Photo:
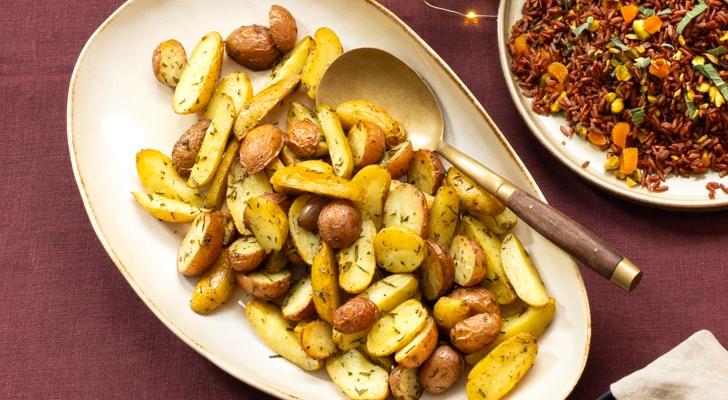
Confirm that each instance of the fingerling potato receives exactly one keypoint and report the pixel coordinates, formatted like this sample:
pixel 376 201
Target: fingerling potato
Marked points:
pixel 405 383
pixel 184 153
pixel 474 197
pixel 316 340
pixel 391 291
pixel 245 254
pixel 356 315
pixel 469 259
pixel 326 49
pixel 426 171
pixel 213 146
pixel 339 150
pixel 236 85
pixel 158 176
pixel 166 209
pixel 168 61
pixel 496 374
pixel 268 223
pixel 292 62
pixel 215 287
pixel 261 104
pixel 275 262
pixel 263 285
pixel 259 147
pixel 448 312
pixel 396 328
pixel 303 138
pixel 308 243
pixel 217 191
pixel 414 353
pixel 298 304
pixel 376 181
pixel 366 140
pixel 354 111
pixel 437 271
pixel 399 249
pixel 357 262
pixel 297 112
pixel 325 283
pixel 201 246
pixel 252 46
pixel 241 188
pixel 479 299
pixel 499 223
pixel 200 76
pixel 357 377
pixel 522 273
pixel 406 205
pixel 397 159
pixel 308 180
pixel 474 333
pixel 442 369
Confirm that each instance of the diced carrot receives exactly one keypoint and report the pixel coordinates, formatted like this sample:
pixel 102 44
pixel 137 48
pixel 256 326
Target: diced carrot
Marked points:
pixel 619 134
pixel 628 160
pixel 597 138
pixel 652 24
pixel 629 12
pixel 558 71
pixel 660 68
pixel 521 45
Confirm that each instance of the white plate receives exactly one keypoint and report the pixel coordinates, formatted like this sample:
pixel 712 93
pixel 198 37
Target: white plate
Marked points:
pixel 116 108
pixel 687 194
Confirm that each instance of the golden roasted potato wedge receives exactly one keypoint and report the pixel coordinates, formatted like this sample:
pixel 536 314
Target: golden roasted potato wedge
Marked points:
pixel 391 291
pixel 443 216
pixel 426 171
pixel 283 201
pixel 495 277
pixel 309 180
pixel 430 199
pixel 278 333
pixel 159 177
pixel 521 272
pixel 533 320
pixel 469 259
pixel 326 49
pixel 496 374
pixel 449 312
pixel 354 111
pixel 241 188
pixel 357 377
pixel 213 146
pixel 339 150
pixel 292 62
pixel 406 205
pixel 376 181
pixel 288 157
pixel 308 243
pixel 357 262
pixel 268 223
pixel 349 341
pixel 274 166
pixel 298 304
pixel 474 197
pixel 397 159
pixel 201 246
pixel 260 147
pixel 217 191
pixel 275 262
pixel 399 249
pixel 316 340
pixel 245 254
pixel 396 328
pixel 437 271
pixel 168 61
pixel 200 76
pixel 166 209
pixel 215 287
pixel 297 112
pixel 228 224
pixel 499 223
pixel 254 111
pixel 317 165
pixel 366 140
pixel 236 85
pixel 386 362
pixel 414 353
pixel 325 283
pixel 263 285
pixel 405 383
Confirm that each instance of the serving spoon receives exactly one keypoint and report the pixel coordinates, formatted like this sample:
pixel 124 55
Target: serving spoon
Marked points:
pixel 379 77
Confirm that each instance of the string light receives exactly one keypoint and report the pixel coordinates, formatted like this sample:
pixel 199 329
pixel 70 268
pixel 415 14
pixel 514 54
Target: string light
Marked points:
pixel 470 14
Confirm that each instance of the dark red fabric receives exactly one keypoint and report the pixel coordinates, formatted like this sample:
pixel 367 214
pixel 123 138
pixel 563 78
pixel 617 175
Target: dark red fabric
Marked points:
pixel 71 326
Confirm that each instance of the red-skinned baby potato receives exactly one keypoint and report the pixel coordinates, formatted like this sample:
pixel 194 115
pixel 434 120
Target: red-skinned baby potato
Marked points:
pixel 282 28
pixel 184 153
pixel 355 315
pixel 339 224
pixel 253 47
pixel 259 147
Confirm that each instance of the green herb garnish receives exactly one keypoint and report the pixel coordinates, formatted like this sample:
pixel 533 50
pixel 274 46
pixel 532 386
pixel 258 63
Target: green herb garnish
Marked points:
pixel 699 9
pixel 647 12
pixel 711 73
pixel 666 11
pixel 638 116
pixel 692 112
pixel 619 44
pixel 644 63
pixel 668 46
pixel 581 28
pixel 718 51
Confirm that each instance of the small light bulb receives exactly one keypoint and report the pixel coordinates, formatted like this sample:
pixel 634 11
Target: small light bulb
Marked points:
pixel 470 15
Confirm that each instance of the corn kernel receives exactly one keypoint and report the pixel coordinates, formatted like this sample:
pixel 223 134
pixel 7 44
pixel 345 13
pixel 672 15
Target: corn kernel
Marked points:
pixel 691 96
pixel 617 106
pixel 681 39
pixel 652 99
pixel 612 163
pixel 698 60
pixel 703 87
pixel 677 56
pixel 610 97
pixel 594 26
pixel 705 158
pixel 630 182
pixel 702 139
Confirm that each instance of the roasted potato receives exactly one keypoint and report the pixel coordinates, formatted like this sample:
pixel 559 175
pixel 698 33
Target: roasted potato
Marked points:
pixel 303 138
pixel 308 218
pixel 307 242
pixel 282 28
pixel 406 205
pixel 292 62
pixel 397 159
pixel 159 177
pixel 426 171
pixel 326 50
pixel 357 263
pixel 357 377
pixel 168 61
pixel 339 150
pixel 214 288
pixel 241 188
pixel 353 341
pixel 405 383
pixel 217 190
pixel 201 246
pixel 437 271
pixel 278 333
pixel 275 262
pixel 297 112
pixel 236 85
pixel 356 315
pixel 496 374
pixel 245 254
pixel 166 209
pixel 399 249
pixel 283 201
pixel 325 283
pixel 200 76
pixel 469 259
pixel 391 291
pixel 308 180
pixel 474 333
pixel 298 304
pixel 228 224
pixel 428 198
pixel 499 223
pixel 376 181
pixel 259 147
pixel 448 312
pixel 188 146
pixel 414 353
pixel 354 111
pixel 263 285
pixel 474 197
pixel 213 146
pixel 366 140
pixel 261 104
pixel 268 222
pixel 252 47
pixel 479 299
pixel 316 340
pixel 442 369
pixel 339 224
pixel 521 272
pixel 396 328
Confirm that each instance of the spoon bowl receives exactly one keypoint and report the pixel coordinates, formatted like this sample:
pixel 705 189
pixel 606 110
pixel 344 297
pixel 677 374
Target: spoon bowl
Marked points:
pixel 381 78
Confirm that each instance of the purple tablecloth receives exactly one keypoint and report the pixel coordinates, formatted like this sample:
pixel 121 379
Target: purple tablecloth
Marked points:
pixel 71 326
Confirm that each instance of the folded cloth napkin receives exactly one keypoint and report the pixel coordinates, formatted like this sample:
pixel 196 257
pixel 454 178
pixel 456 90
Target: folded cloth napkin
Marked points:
pixel 697 369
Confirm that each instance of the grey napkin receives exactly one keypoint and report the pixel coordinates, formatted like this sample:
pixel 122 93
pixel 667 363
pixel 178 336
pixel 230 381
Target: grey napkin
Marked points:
pixel 697 369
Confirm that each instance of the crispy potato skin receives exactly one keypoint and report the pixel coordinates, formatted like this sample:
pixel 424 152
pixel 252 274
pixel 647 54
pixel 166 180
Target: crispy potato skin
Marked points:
pixel 259 147
pixel 479 299
pixel 476 332
pixel 356 315
pixel 444 367
pixel 404 383
pixel 339 223
pixel 308 219
pixel 264 289
pixel 282 28
pixel 253 47
pixel 185 150
pixel 303 137
pixel 426 171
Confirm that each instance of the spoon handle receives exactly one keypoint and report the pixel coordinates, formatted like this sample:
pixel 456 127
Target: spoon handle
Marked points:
pixel 552 224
